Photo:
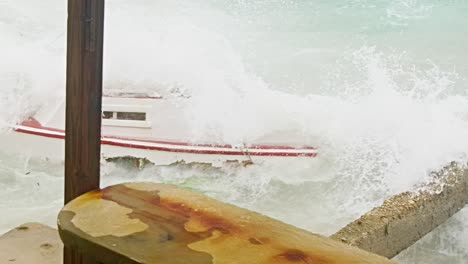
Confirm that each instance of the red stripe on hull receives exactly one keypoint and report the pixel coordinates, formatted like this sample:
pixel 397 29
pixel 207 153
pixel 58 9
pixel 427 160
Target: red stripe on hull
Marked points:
pixel 107 140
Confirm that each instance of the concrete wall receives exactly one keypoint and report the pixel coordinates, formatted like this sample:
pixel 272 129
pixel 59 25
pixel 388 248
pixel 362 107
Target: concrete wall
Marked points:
pixel 405 218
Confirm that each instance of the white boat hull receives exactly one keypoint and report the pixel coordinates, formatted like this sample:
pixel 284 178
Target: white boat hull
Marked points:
pixel 136 127
pixel 52 146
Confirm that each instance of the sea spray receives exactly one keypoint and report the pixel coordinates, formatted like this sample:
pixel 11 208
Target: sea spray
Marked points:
pixel 379 87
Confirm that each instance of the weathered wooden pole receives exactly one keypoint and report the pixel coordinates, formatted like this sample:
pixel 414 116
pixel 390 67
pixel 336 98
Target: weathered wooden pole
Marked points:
pixel 83 102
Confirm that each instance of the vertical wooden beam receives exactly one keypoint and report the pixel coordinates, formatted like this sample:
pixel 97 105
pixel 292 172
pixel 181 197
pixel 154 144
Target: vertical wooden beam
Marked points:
pixel 83 102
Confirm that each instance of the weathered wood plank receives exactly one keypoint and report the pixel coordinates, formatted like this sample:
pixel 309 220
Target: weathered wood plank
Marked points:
pixel 83 102
pixel 155 223
pixel 31 243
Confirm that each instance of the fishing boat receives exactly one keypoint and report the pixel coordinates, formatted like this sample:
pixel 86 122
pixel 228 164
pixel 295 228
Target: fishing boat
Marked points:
pixel 143 125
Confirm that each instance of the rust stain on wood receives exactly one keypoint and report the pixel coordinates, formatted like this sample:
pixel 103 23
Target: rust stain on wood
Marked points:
pixel 297 256
pixel 183 226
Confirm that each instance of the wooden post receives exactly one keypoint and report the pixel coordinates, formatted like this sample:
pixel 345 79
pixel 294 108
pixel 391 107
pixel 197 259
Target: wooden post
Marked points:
pixel 83 102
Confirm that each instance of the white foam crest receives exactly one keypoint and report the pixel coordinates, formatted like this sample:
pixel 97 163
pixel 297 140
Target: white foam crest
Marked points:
pixel 32 63
pixel 390 138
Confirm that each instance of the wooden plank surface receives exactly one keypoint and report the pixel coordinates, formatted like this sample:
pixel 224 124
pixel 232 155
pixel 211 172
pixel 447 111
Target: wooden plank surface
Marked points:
pixel 155 223
pixel 31 243
pixel 83 102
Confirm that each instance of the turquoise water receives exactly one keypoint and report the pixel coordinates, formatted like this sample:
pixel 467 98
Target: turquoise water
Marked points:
pixel 378 86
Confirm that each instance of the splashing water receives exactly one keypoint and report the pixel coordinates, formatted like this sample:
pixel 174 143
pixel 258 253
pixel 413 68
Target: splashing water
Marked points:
pixel 379 87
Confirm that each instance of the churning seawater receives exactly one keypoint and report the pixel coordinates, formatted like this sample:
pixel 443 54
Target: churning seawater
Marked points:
pixel 379 87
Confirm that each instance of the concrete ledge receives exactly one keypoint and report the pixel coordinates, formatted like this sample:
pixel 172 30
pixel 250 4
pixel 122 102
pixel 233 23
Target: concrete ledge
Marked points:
pixel 31 243
pixel 405 218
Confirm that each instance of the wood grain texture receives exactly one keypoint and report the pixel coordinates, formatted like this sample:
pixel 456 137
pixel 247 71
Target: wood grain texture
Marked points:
pixel 155 223
pixel 83 101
